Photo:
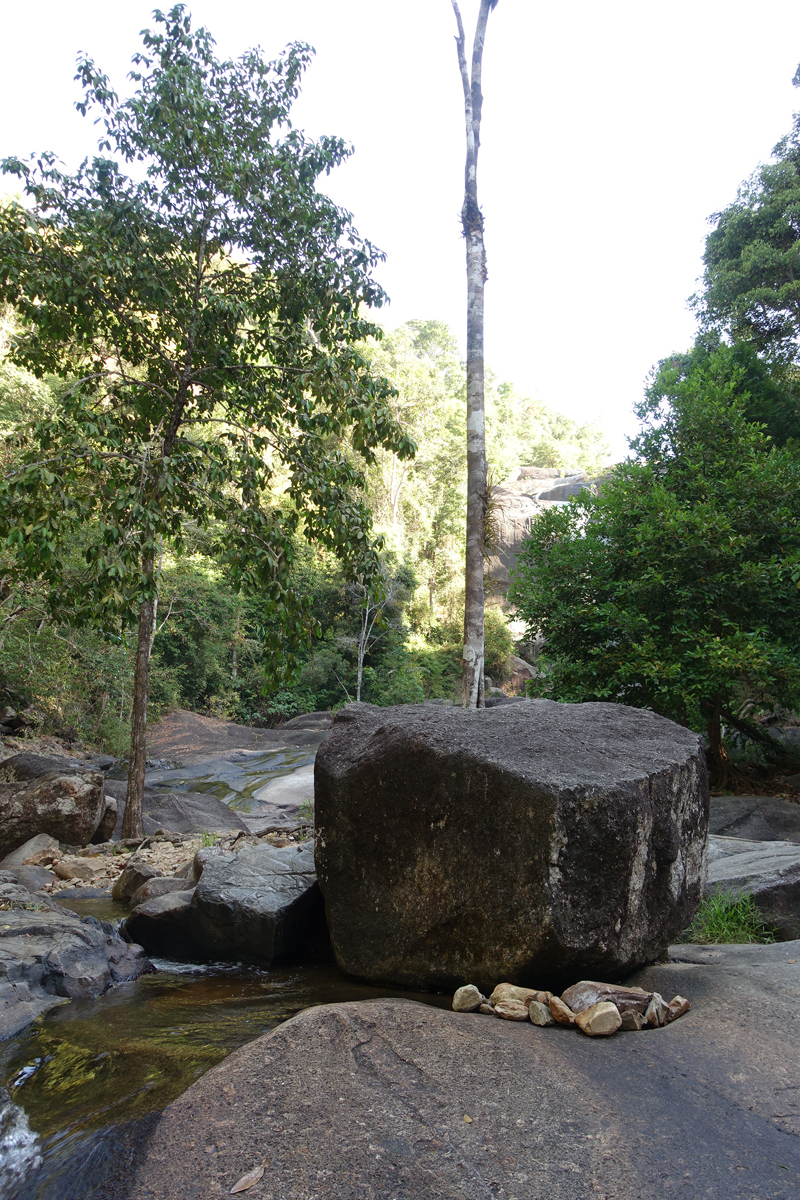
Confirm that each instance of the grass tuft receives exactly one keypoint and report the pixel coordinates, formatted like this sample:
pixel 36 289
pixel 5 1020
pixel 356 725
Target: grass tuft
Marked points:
pixel 729 917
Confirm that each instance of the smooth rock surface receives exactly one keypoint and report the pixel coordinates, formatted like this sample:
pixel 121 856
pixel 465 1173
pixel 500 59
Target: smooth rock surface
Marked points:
pixel 525 842
pixel 40 843
pixel 67 805
pixel 511 1010
pixel 467 999
pixel 583 995
pixel 259 903
pixel 367 1101
pixel 177 812
pixel 48 954
pixel 131 879
pixel 540 1014
pixel 163 925
pixel 769 871
pixel 756 818
pixel 161 885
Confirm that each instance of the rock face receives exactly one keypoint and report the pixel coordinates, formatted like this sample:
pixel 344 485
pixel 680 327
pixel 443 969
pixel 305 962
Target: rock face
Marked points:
pixel 755 818
pixel 259 904
pixel 769 871
pixel 528 842
pixel 48 953
pixel 177 812
pixel 65 803
pixel 519 500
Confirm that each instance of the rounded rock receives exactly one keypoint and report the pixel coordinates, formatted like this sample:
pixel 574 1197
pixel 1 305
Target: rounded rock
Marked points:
pixel 601 1020
pixel 467 999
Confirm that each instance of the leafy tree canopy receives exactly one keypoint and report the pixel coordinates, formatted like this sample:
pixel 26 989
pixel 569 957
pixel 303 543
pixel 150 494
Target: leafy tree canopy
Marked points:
pixel 677 587
pixel 205 309
pixel 752 257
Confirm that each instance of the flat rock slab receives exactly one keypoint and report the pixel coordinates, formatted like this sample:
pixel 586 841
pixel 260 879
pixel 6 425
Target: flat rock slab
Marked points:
pixel 368 1100
pixel 289 791
pixel 768 871
pixel 188 737
pixel 755 818
pixel 177 812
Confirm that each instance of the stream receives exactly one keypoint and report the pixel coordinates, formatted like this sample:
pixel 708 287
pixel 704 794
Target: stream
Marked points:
pixel 83 1085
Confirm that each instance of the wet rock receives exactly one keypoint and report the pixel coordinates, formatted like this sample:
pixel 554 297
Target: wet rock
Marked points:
pixel 540 1013
pixel 600 1020
pixel 632 1021
pixel 163 926
pixel 133 876
pixel 65 805
pixel 511 1010
pixel 48 954
pixel 561 1012
pixel 583 995
pixel 510 991
pixel 467 999
pixel 524 842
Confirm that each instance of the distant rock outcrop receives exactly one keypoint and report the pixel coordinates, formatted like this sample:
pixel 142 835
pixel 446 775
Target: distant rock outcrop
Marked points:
pixel 525 495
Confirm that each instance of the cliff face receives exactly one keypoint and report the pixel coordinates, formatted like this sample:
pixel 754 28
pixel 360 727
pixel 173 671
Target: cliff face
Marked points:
pixel 523 496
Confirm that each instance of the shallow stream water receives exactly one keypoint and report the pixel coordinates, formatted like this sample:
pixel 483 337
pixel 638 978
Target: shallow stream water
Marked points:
pixel 85 1083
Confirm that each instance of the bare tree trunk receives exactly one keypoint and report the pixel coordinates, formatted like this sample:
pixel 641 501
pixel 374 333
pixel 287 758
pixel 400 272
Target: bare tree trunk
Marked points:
pixel 132 826
pixel 472 226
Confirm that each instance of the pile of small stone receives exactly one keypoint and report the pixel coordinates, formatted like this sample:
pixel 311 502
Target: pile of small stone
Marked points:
pixel 597 1009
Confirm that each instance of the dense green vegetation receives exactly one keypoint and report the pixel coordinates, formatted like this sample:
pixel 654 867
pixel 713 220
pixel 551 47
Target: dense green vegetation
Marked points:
pixel 205 436
pixel 677 588
pixel 729 917
pixel 208 652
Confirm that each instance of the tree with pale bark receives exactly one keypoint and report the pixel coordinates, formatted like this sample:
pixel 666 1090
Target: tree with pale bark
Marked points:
pixel 477 491
pixel 205 311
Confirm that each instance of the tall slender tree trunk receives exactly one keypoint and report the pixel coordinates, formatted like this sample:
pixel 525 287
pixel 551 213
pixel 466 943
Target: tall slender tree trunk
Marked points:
pixel 472 226
pixel 132 823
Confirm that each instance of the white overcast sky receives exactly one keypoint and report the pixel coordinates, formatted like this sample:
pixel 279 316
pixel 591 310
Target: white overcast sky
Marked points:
pixel 611 132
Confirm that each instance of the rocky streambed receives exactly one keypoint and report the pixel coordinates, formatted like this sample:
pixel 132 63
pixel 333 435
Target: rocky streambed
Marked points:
pixel 225 882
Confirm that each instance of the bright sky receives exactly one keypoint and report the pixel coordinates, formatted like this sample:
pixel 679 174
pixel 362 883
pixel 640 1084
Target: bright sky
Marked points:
pixel 611 131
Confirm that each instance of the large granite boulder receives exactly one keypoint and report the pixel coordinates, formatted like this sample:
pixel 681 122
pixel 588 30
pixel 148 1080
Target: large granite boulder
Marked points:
pixel 533 842
pixel 42 795
pixel 48 954
pixel 768 871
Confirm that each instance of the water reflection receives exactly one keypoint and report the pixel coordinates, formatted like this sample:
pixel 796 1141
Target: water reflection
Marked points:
pixel 91 1070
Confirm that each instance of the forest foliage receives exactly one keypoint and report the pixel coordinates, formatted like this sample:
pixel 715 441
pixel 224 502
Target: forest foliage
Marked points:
pixel 677 588
pixel 208 652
